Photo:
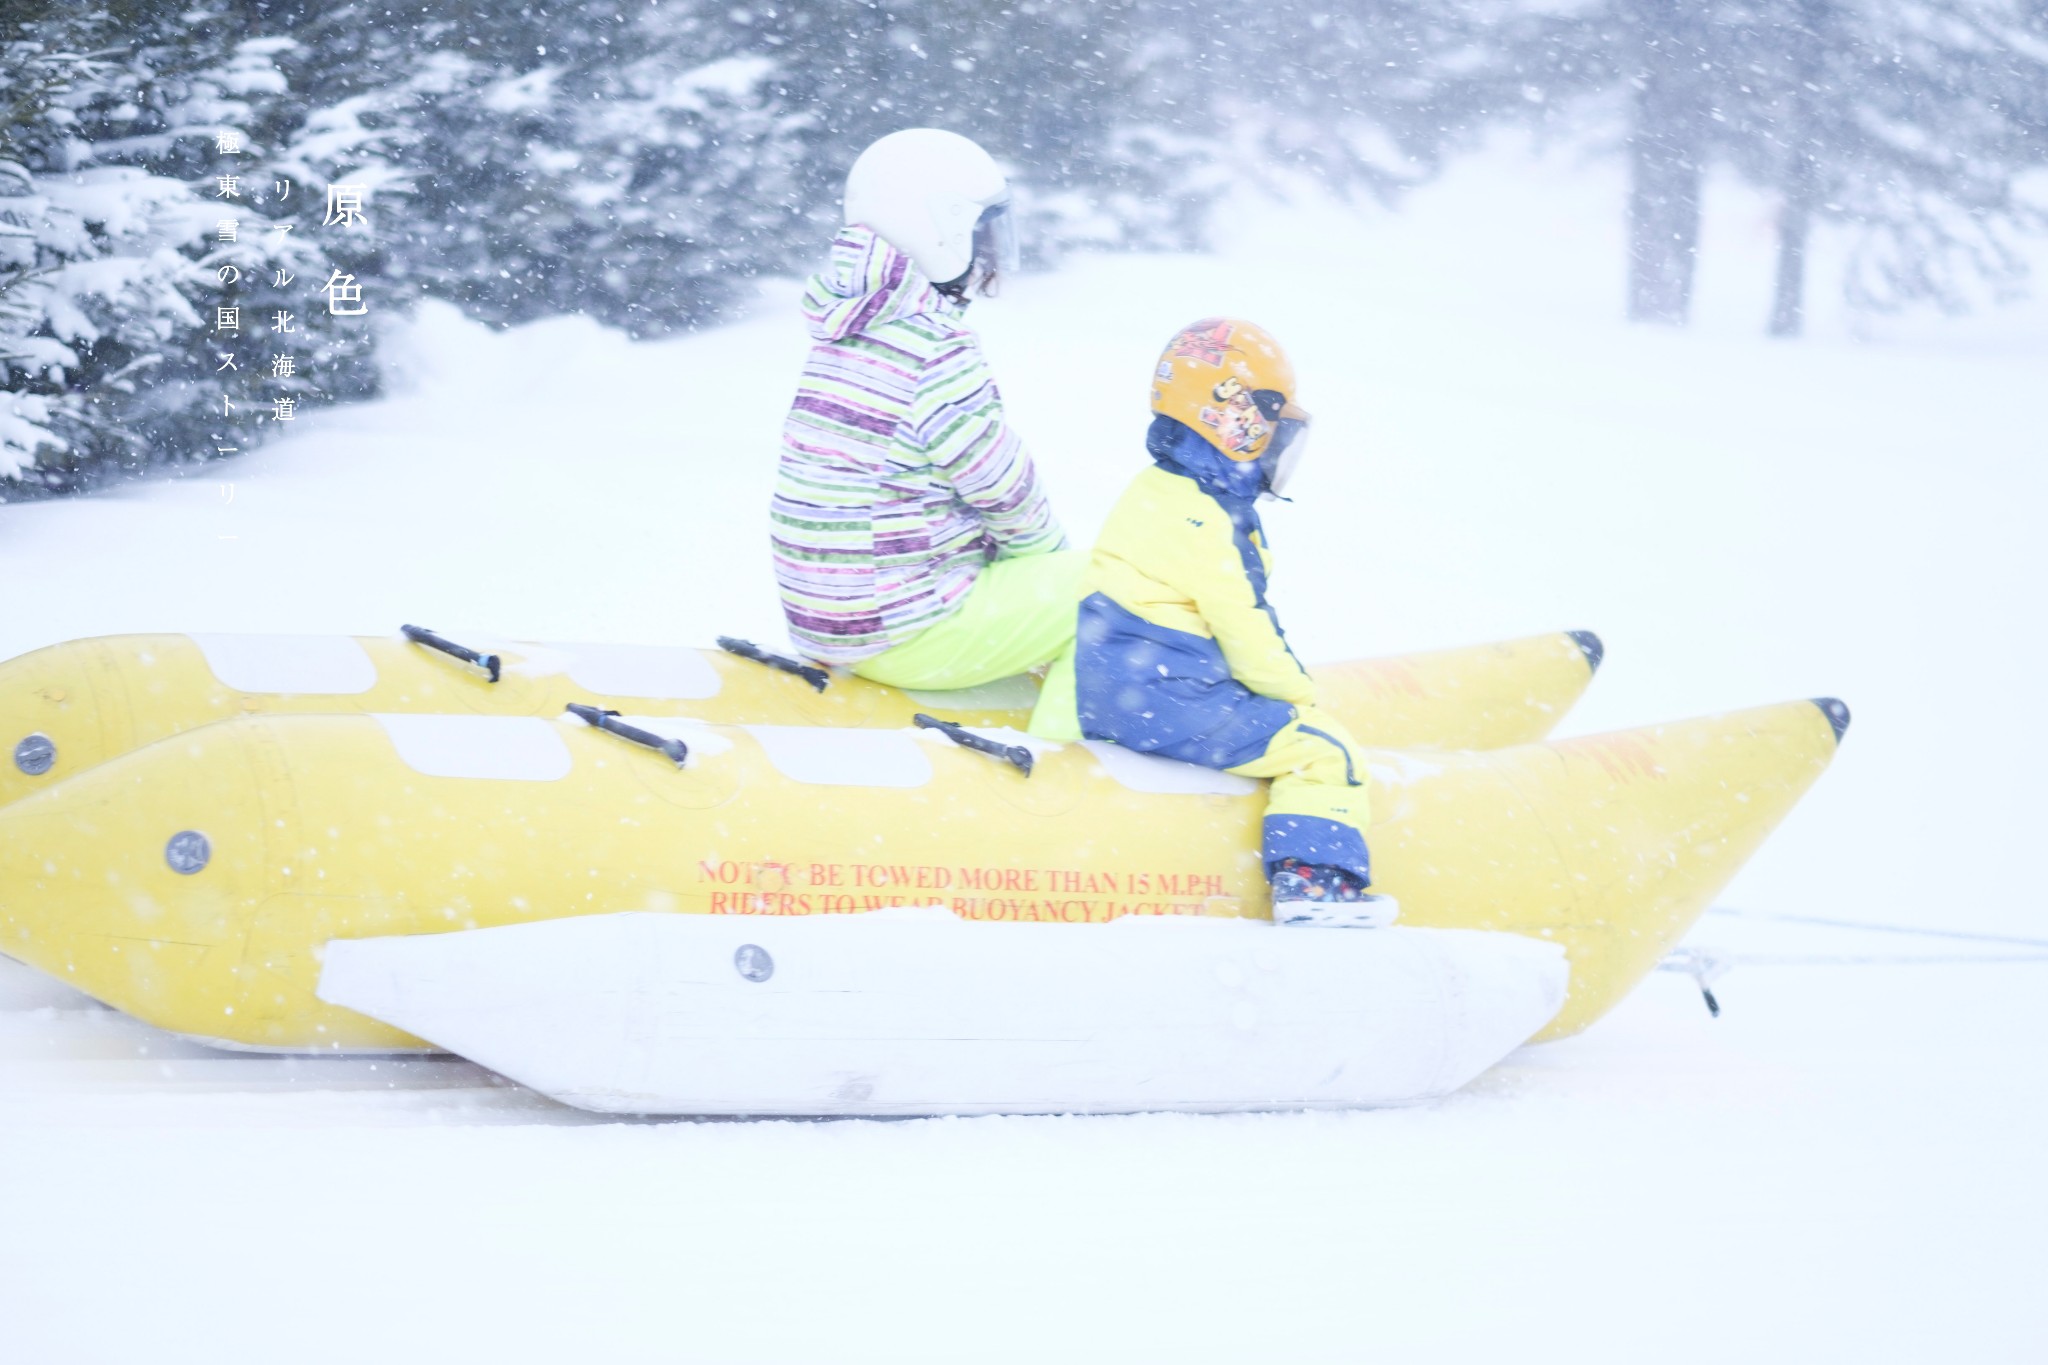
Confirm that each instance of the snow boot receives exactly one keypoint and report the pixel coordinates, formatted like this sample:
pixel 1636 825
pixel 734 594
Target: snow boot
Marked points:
pixel 1327 897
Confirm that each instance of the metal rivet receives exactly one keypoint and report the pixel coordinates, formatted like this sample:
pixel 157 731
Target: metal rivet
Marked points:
pixel 753 962
pixel 187 852
pixel 35 755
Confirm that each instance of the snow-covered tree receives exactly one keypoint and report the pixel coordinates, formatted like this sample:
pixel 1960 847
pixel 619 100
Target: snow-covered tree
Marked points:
pixel 89 296
pixel 1370 96
pixel 1913 123
pixel 145 276
pixel 1059 92
pixel 642 162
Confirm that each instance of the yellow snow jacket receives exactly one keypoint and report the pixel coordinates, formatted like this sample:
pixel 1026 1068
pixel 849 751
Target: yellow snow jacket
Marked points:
pixel 1177 652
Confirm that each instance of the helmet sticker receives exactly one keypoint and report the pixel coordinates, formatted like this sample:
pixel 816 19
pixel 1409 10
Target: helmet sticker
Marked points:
pixel 1239 424
pixel 1207 341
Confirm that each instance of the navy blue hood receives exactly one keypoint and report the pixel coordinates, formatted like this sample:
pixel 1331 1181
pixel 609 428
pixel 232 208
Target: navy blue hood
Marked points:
pixel 1181 449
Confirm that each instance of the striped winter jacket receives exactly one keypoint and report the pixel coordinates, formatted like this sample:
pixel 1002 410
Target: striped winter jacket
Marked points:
pixel 899 476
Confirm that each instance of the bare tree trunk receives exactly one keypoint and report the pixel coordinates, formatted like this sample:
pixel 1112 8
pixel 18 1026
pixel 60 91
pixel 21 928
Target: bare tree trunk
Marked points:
pixel 1802 177
pixel 1795 220
pixel 1666 150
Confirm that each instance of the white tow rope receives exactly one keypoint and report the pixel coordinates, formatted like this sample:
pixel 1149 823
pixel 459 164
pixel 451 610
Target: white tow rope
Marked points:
pixel 1708 965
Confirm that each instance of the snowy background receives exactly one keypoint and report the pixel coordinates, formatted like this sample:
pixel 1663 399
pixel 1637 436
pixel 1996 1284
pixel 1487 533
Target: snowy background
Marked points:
pixel 1844 1166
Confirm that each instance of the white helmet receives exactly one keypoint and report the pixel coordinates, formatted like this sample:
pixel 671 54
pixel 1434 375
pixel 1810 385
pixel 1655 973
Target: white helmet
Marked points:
pixel 939 199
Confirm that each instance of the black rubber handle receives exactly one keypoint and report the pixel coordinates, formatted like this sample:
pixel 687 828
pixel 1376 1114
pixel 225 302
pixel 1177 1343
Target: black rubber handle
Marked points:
pixel 420 635
pixel 747 649
pixel 604 720
pixel 1016 755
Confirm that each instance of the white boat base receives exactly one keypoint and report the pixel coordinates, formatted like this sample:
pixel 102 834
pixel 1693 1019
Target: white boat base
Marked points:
pixel 913 1012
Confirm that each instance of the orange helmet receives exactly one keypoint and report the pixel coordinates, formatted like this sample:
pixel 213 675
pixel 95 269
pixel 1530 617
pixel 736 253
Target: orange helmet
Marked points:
pixel 1231 382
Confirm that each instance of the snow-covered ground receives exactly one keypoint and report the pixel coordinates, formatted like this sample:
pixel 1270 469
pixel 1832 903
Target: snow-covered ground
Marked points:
pixel 1844 1166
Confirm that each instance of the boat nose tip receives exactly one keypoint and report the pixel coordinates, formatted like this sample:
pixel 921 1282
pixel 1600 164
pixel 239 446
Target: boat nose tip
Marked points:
pixel 1589 645
pixel 1837 712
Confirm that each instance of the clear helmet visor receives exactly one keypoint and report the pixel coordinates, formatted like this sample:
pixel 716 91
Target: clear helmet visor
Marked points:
pixel 996 255
pixel 1282 455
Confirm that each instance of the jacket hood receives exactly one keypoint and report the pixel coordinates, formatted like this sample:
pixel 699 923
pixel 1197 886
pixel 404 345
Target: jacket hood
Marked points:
pixel 1179 448
pixel 868 282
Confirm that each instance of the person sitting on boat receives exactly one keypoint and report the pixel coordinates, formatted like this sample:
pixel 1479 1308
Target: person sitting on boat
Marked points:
pixel 913 541
pixel 1179 653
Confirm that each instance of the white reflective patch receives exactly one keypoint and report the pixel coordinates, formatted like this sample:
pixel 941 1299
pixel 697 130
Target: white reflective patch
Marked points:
pixel 508 748
pixel 1004 694
pixel 665 673
pixel 522 657
pixel 845 758
pixel 329 664
pixel 1166 776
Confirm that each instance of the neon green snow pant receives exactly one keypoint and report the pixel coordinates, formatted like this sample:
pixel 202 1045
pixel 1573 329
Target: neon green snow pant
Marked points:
pixel 1019 614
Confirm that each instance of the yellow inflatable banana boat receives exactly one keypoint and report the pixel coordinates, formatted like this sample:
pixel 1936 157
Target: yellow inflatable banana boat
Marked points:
pixel 68 707
pixel 194 882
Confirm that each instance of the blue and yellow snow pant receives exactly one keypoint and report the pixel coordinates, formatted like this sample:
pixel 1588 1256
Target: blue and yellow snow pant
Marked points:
pixel 1018 615
pixel 1317 809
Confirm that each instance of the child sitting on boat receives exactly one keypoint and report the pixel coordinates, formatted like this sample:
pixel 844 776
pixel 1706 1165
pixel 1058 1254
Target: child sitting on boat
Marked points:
pixel 913 542
pixel 1178 653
